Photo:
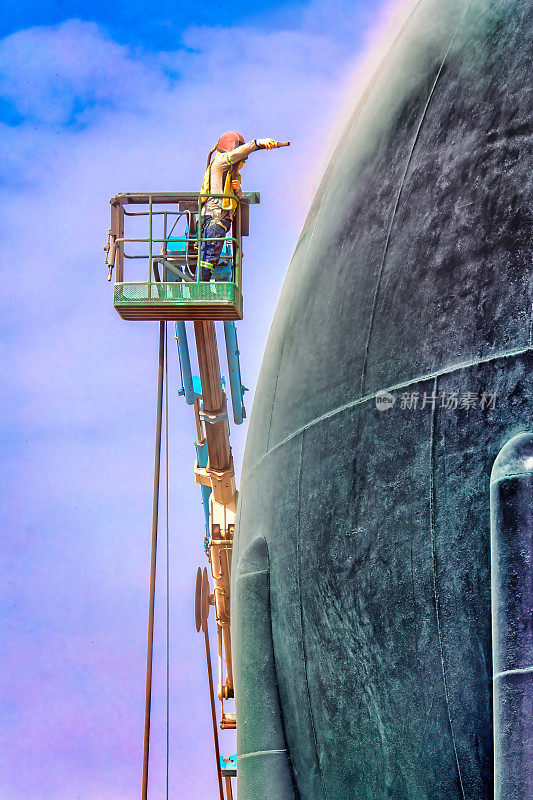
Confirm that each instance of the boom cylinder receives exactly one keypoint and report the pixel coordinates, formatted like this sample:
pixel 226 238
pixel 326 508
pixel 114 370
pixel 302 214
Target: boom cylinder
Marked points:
pixel 234 371
pixel 185 362
pixel 511 498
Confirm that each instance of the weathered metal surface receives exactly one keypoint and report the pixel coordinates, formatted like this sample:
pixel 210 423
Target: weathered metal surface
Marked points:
pixel 412 275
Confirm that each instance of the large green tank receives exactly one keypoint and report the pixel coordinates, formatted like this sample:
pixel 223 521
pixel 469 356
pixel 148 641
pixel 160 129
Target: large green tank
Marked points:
pixel 361 614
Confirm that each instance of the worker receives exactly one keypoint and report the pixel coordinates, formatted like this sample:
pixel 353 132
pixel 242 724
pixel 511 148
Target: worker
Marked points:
pixel 222 176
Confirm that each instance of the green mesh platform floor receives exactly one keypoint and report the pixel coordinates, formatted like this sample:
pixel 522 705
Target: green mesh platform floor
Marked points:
pixel 174 293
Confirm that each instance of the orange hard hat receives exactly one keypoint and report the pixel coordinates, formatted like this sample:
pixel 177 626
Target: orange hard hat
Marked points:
pixel 229 141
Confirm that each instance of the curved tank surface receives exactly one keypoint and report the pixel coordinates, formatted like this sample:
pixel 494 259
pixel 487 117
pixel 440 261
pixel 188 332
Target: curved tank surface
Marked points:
pixel 361 615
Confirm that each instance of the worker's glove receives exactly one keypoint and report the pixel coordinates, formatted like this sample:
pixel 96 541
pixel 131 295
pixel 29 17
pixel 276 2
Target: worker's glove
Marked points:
pixel 236 186
pixel 267 144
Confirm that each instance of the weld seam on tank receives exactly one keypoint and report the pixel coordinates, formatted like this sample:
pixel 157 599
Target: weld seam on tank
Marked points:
pixel 261 753
pixel 301 617
pixel 432 504
pixel 520 671
pixel 519 351
pixel 509 475
pixel 325 184
pixel 511 498
pixel 250 574
pixel 399 195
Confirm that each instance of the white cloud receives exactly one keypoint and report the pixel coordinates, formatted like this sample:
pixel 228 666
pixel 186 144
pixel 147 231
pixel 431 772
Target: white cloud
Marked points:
pixel 142 129
pixel 58 74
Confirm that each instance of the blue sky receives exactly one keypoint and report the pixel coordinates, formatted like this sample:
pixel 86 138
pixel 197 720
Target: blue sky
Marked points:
pixel 160 25
pixel 142 22
pixel 97 99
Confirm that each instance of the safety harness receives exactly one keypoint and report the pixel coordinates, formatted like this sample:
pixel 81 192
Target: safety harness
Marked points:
pixel 232 174
pixel 228 204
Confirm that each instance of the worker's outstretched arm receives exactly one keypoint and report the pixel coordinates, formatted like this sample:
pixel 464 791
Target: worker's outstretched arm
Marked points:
pixel 234 156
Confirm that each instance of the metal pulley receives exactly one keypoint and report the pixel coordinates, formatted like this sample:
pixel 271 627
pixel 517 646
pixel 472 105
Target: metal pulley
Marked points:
pixel 202 600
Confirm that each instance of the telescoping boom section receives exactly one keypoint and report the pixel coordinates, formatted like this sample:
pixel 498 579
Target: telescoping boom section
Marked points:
pixel 153 246
pixel 158 238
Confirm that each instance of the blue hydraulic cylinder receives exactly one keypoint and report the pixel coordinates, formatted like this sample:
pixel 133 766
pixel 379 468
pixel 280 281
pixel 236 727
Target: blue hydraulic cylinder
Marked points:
pixel 511 500
pixel 185 363
pixel 234 369
pixel 201 460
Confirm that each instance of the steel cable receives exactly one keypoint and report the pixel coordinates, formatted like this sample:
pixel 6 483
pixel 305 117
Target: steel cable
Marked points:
pixel 153 558
pixel 168 573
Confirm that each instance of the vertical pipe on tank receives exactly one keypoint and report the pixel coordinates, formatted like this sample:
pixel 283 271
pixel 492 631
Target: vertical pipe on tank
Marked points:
pixel 511 501
pixel 264 769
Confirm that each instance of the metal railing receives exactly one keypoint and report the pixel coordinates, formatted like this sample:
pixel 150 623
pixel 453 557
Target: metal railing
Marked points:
pixel 189 254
